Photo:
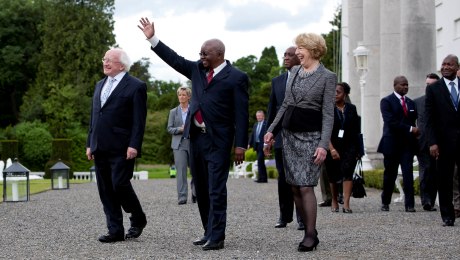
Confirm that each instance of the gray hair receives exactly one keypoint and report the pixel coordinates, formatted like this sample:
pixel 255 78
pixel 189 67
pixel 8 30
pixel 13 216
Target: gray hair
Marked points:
pixel 124 58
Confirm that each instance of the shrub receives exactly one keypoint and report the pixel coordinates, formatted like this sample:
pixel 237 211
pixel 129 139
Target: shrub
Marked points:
pixel 34 144
pixel 272 172
pixel 78 136
pixel 250 155
pixel 9 149
pixel 374 179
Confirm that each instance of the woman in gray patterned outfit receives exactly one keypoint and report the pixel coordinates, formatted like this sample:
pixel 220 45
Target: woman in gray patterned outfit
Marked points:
pixel 305 120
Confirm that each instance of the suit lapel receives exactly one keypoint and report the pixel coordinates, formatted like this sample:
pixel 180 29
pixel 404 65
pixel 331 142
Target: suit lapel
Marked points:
pixel 398 104
pixel 179 115
pixel 221 75
pixel 446 94
pixel 312 82
pixel 123 83
pixel 97 93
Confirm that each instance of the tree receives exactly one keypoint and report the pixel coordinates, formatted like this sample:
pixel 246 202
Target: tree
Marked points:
pixel 332 60
pixel 20 46
pixel 75 35
pixel 140 70
pixel 267 68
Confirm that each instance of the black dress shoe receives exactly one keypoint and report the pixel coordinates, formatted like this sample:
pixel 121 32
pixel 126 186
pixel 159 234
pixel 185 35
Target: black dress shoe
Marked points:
pixel 385 207
pixel 326 203
pixel 428 207
pixel 193 199
pixel 135 232
pixel 200 242
pixel 281 224
pixel 213 245
pixel 109 238
pixel 261 181
pixel 409 209
pixel 182 202
pixel 448 223
pixel 301 226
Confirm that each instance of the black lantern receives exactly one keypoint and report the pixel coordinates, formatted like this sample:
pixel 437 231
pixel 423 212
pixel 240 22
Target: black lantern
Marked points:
pixel 60 176
pixel 16 183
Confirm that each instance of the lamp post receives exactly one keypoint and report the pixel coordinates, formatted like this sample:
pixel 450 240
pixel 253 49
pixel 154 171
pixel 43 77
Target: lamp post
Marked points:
pixel 361 54
pixel 16 184
pixel 60 176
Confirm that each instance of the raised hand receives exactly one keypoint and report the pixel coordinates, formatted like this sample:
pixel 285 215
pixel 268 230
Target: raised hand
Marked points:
pixel 147 28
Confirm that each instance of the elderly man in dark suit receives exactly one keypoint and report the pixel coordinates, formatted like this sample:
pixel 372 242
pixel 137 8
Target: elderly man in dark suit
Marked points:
pixel 427 164
pixel 218 117
pixel 114 141
pixel 257 142
pixel 285 197
pixel 398 143
pixel 443 132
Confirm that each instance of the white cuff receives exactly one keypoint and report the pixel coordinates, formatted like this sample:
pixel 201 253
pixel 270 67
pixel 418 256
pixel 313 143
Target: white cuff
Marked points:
pixel 154 41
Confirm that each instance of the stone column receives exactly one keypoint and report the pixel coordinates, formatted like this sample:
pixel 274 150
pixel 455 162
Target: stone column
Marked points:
pixel 390 42
pixel 418 43
pixel 355 34
pixel 345 43
pixel 371 39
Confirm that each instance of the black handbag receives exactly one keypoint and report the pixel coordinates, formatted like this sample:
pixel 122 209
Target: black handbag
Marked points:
pixel 358 190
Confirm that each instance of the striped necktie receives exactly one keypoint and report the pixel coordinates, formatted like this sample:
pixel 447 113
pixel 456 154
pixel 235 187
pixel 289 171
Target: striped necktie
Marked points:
pixel 107 90
pixel 454 94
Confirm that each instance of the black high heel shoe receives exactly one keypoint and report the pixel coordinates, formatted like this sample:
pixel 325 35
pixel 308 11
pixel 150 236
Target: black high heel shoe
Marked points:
pixel 303 248
pixel 347 210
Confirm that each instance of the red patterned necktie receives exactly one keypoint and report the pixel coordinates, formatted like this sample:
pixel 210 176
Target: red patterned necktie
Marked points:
pixel 403 103
pixel 198 116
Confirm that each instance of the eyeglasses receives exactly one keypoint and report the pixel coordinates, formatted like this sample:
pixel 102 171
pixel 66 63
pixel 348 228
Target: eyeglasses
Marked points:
pixel 204 53
pixel 108 60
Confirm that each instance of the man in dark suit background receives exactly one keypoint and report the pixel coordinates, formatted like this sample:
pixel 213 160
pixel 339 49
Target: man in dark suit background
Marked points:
pixel 443 132
pixel 285 197
pixel 218 117
pixel 427 164
pixel 116 131
pixel 398 143
pixel 257 142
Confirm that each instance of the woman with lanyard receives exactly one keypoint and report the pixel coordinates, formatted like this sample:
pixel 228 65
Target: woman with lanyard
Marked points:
pixel 343 147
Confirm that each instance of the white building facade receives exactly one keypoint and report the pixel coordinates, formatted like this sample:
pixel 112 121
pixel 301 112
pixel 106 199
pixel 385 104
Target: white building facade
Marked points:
pixel 404 37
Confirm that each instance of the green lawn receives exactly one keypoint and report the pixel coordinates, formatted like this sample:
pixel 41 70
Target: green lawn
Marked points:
pixel 37 186
pixel 158 171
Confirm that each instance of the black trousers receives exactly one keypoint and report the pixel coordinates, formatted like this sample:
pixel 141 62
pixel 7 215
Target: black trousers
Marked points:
pixel 445 167
pixel 210 166
pixel 391 162
pixel 285 197
pixel 113 174
pixel 427 177
pixel 262 169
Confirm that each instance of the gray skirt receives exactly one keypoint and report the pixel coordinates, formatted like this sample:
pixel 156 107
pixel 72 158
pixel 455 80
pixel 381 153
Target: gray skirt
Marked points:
pixel 298 151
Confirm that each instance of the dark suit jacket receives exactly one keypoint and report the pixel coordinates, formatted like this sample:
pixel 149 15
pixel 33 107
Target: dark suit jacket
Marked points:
pixel 443 121
pixel 263 130
pixel 396 127
pixel 349 143
pixel 223 103
pixel 421 122
pixel 276 100
pixel 121 122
